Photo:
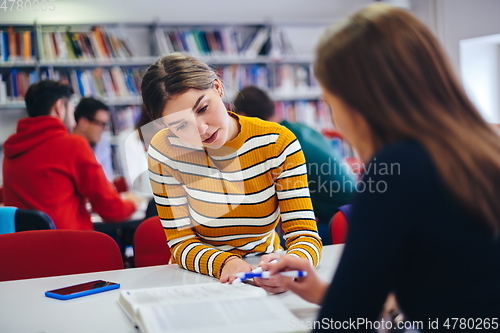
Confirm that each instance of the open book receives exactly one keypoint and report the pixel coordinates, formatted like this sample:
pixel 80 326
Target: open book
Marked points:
pixel 208 307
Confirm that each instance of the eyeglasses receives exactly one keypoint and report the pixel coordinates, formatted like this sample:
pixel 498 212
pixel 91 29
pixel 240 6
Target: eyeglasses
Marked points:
pixel 100 123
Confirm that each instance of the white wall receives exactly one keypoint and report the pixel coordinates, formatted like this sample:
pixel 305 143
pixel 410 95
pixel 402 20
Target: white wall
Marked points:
pixel 479 67
pixel 174 11
pixel 461 26
pixel 455 20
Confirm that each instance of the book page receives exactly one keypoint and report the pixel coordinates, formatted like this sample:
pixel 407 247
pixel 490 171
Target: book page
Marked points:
pixel 252 314
pixel 131 300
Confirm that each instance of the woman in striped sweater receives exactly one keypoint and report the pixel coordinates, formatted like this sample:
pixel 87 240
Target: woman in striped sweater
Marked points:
pixel 222 182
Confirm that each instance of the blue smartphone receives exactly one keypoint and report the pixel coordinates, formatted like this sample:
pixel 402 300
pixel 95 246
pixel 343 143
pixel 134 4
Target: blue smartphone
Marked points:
pixel 83 289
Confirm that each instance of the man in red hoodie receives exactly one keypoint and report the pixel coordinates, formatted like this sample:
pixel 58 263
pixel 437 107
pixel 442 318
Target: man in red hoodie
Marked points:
pixel 48 169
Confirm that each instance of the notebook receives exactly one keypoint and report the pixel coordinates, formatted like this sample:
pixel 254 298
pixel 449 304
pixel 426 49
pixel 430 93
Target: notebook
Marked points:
pixel 208 308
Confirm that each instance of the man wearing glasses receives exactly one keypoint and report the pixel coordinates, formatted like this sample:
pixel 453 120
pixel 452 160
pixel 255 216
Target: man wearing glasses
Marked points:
pixel 92 120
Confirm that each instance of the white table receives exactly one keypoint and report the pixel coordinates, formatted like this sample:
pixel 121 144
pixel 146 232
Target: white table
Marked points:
pixel 25 309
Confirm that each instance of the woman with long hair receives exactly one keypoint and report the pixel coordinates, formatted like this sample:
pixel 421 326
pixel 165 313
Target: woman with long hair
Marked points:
pixel 426 224
pixel 222 182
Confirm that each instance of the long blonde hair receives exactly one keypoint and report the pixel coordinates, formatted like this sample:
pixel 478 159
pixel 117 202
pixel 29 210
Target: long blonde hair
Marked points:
pixel 389 67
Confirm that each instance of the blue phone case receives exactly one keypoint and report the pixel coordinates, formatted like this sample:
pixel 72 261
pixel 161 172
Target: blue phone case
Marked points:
pixel 83 293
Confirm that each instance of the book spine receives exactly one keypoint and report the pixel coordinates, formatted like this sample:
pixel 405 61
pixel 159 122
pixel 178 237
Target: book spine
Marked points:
pixel 13 78
pixel 220 44
pixel 119 80
pixel 115 45
pixel 90 47
pixel 97 32
pixel 169 42
pixel 57 52
pixel 82 43
pixel 19 46
pixel 258 42
pixel 48 49
pixel 27 45
pixel 79 82
pixel 108 84
pixel 74 82
pixel 212 43
pixel 173 36
pixel 61 46
pixel 33 78
pixel 12 43
pixel 2 49
pixel 127 45
pixel 99 52
pixel 6 53
pixel 182 38
pixel 97 78
pixel 3 91
pixel 69 46
pixel 161 40
pixel 74 44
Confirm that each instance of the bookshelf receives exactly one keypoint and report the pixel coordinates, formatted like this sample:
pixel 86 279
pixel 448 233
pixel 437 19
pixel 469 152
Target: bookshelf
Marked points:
pixel 106 61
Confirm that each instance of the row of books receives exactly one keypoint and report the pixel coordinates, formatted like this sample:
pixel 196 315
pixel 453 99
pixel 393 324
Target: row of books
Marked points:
pixel 235 77
pixel 125 118
pixel 14 84
pixel 293 79
pixel 16 46
pixel 97 43
pixel 314 113
pixel 227 41
pixel 290 80
pixel 99 82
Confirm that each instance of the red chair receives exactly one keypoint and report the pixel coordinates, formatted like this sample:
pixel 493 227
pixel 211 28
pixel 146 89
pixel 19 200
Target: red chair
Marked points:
pixel 150 244
pixel 338 225
pixel 42 253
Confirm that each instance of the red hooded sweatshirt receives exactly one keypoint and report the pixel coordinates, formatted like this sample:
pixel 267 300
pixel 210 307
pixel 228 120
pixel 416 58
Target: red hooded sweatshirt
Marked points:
pixel 47 169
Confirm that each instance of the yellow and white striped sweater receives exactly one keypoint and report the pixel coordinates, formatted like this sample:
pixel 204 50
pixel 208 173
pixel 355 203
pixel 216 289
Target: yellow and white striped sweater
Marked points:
pixel 214 204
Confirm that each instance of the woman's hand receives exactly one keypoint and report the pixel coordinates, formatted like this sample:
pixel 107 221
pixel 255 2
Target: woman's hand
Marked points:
pixel 232 266
pixel 311 288
pixel 273 284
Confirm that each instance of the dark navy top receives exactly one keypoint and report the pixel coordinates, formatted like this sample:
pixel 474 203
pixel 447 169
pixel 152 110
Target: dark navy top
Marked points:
pixel 407 234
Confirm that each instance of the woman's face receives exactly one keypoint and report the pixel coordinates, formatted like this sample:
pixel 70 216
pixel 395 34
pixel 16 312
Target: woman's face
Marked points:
pixel 351 124
pixel 200 118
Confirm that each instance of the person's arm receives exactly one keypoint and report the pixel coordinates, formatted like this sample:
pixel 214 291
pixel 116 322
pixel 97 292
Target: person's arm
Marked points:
pixel 297 216
pixel 311 287
pixel 91 182
pixel 188 250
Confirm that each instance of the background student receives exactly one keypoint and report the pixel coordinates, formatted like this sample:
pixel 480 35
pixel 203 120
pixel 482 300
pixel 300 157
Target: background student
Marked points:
pixel 325 168
pixel 222 182
pixel 92 120
pixel 429 230
pixel 48 169
pixel 132 152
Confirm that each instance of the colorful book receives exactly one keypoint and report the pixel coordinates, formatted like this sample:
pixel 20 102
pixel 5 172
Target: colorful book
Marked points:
pixel 12 44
